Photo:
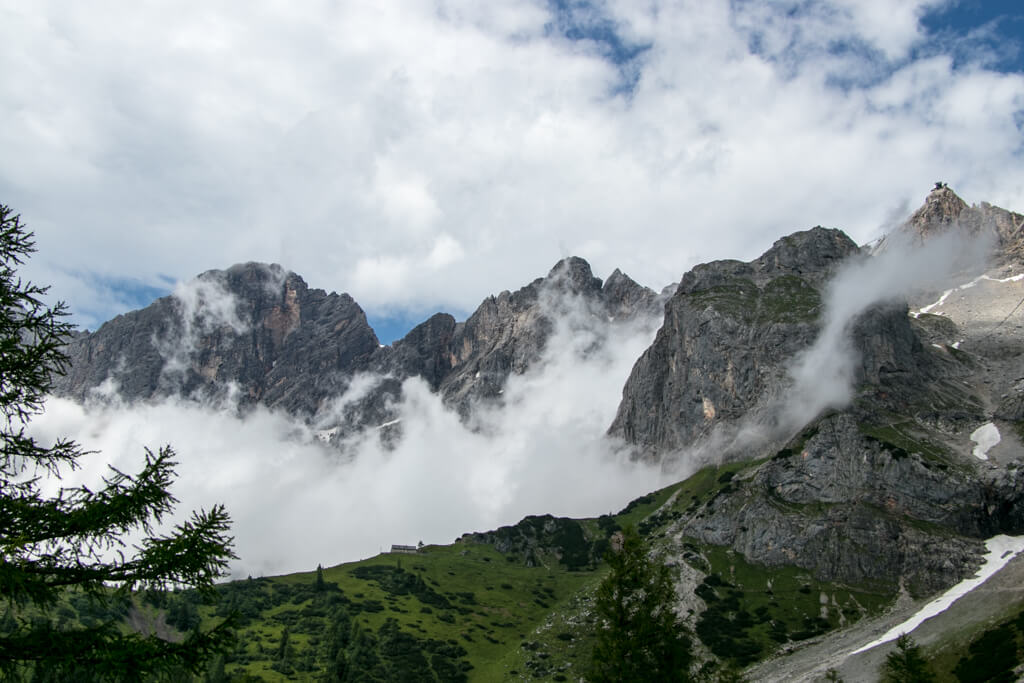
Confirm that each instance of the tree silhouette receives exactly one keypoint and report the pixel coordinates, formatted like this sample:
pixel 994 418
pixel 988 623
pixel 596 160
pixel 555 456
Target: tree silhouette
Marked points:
pixel 73 543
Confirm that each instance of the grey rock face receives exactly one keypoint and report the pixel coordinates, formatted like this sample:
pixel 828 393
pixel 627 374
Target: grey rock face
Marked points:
pixel 883 490
pixel 854 507
pixel 508 333
pixel 254 326
pixel 262 332
pixel 728 333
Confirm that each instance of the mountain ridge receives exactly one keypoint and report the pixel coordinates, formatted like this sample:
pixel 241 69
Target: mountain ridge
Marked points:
pixel 263 333
pixel 875 486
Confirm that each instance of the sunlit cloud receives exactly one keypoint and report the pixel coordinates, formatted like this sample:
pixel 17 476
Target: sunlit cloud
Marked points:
pixel 423 157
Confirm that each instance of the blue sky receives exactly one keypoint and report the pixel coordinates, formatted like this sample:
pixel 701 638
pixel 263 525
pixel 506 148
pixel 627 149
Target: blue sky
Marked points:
pixel 968 26
pixel 422 157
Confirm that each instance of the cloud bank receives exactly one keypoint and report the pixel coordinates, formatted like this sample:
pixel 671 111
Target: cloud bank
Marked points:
pixel 297 502
pixel 421 156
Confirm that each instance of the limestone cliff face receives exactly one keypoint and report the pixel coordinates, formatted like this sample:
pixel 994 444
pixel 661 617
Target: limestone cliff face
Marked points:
pixel 253 328
pixel 259 333
pixel 729 331
pixel 853 502
pixel 883 489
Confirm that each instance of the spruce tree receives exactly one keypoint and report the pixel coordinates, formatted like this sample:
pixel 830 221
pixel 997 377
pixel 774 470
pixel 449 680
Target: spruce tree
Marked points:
pixel 639 636
pixel 319 585
pixel 906 664
pixel 74 542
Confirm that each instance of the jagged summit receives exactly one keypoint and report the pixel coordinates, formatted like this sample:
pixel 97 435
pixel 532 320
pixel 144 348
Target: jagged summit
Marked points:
pixel 943 210
pixel 261 329
pixel 574 274
pixel 808 254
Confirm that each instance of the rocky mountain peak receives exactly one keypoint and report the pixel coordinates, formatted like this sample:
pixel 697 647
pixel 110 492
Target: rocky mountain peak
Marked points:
pixel 573 274
pixel 254 325
pixel 810 254
pixel 941 209
pixel 624 297
pixel 260 328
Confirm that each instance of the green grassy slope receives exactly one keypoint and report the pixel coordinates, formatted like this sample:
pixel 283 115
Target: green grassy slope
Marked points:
pixel 469 612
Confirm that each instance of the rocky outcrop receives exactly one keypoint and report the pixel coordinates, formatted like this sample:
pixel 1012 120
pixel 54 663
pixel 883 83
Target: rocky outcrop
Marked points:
pixel 943 211
pixel 856 502
pixel 728 334
pixel 537 537
pixel 259 334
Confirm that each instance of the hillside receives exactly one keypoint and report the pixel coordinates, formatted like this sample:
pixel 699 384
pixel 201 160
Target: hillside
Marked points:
pixel 843 424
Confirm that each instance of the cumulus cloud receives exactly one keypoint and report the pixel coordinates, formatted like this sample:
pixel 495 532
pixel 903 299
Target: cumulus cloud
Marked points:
pixel 349 141
pixel 297 502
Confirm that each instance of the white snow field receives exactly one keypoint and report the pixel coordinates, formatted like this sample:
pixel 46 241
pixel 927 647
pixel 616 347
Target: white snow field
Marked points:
pixel 1001 549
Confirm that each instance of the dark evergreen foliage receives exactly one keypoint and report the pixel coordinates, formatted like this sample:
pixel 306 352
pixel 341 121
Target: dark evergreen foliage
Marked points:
pixel 906 664
pixel 640 639
pixel 994 654
pixel 72 544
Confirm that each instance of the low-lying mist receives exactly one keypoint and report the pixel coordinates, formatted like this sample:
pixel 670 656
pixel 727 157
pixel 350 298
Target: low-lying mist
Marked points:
pixel 297 502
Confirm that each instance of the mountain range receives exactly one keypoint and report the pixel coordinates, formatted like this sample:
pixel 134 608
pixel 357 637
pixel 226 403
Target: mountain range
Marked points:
pixel 852 414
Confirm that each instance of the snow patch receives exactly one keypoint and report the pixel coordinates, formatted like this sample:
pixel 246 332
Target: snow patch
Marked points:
pixel 929 307
pixel 389 424
pixel 984 437
pixel 972 283
pixel 1001 549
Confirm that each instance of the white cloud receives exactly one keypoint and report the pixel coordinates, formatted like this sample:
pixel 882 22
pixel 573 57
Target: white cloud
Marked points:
pixel 351 142
pixel 296 502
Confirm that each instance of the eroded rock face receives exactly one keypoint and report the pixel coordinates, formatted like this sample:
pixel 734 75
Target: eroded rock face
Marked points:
pixel 253 326
pixel 851 505
pixel 729 331
pixel 260 334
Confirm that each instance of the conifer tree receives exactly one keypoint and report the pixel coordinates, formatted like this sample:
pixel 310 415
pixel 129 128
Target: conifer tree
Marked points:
pixel 639 637
pixel 906 664
pixel 75 541
pixel 319 585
